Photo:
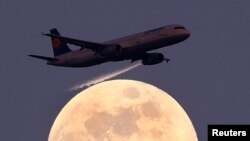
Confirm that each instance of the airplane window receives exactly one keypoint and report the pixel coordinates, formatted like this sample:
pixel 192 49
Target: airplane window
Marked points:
pixel 179 27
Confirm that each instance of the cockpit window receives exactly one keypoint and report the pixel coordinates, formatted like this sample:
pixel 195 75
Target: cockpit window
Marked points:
pixel 179 27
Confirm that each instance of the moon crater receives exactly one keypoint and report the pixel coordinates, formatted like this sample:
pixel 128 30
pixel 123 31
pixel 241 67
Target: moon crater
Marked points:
pixel 131 93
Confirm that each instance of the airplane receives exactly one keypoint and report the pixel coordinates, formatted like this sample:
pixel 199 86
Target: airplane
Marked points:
pixel 134 47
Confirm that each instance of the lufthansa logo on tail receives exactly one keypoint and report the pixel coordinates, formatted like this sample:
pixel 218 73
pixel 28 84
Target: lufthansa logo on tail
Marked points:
pixel 56 43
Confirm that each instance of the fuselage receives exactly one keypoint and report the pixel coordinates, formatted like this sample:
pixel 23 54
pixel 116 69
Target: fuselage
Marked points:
pixel 131 46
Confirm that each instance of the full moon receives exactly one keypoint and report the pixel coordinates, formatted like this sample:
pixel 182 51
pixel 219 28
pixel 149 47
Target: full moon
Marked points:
pixel 122 110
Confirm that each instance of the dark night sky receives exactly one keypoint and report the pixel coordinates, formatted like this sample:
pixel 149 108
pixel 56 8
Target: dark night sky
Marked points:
pixel 208 75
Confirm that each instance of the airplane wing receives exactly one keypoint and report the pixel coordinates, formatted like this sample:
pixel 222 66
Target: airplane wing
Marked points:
pixel 84 44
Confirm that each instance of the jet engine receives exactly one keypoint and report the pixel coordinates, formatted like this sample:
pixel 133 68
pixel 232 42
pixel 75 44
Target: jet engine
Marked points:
pixel 153 58
pixel 112 51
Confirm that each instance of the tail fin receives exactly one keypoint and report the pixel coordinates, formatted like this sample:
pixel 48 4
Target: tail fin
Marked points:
pixel 59 46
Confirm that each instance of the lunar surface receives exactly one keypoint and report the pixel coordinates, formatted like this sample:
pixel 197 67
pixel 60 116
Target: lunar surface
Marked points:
pixel 122 110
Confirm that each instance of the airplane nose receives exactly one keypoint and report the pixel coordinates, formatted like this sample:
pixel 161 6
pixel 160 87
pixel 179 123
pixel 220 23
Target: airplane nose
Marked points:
pixel 187 33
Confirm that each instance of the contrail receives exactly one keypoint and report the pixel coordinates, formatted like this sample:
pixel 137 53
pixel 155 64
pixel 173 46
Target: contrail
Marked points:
pixel 105 77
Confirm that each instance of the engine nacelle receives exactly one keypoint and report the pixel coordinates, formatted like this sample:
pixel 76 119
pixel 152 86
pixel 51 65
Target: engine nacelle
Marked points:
pixel 152 58
pixel 112 51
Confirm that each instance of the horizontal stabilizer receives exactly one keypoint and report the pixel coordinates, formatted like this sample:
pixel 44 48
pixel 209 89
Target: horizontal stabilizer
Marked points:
pixel 44 58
